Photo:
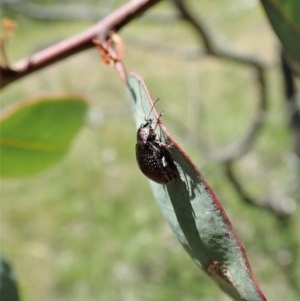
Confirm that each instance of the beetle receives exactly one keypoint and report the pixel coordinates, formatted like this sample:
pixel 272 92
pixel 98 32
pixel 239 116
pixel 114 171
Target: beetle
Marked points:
pixel 152 155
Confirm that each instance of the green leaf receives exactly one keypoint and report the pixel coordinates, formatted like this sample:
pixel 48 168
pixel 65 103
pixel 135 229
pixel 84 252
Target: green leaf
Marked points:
pixel 285 20
pixel 37 133
pixel 195 215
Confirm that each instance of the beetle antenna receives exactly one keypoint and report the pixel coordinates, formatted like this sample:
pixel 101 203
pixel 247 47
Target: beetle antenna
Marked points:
pixel 148 119
pixel 158 121
pixel 152 108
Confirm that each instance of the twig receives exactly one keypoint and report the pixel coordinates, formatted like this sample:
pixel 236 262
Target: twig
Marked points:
pixel 82 41
pixel 75 11
pixel 274 207
pixel 232 153
pixel 211 48
pixel 197 24
pixel 246 143
pixel 51 12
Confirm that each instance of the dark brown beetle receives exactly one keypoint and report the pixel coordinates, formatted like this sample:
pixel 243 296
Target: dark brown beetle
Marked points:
pixel 152 155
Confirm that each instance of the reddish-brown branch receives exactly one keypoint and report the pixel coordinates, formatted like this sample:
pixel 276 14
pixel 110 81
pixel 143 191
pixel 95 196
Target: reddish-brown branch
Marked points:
pixel 75 44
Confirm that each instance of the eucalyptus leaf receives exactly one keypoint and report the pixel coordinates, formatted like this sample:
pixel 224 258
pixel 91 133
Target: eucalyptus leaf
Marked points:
pixel 194 213
pixel 37 133
pixel 285 19
pixel 8 285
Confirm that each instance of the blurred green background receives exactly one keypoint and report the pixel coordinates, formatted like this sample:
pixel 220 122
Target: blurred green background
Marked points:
pixel 89 227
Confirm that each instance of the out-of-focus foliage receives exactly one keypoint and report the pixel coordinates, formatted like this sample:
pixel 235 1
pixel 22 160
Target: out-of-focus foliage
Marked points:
pixel 285 19
pixel 8 286
pixel 37 133
pixel 89 229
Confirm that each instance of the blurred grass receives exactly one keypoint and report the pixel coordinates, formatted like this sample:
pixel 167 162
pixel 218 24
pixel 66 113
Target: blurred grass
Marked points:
pixel 89 229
